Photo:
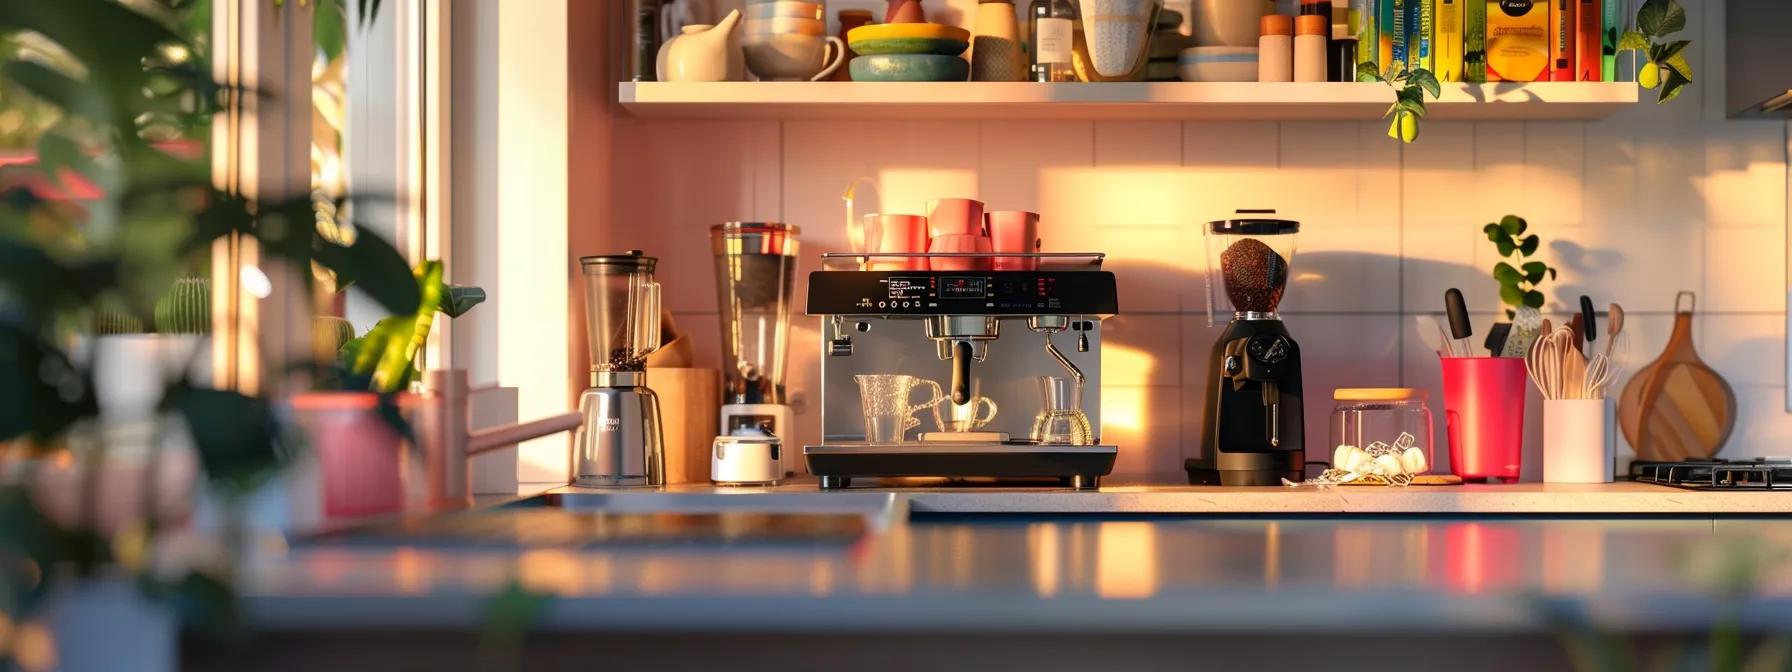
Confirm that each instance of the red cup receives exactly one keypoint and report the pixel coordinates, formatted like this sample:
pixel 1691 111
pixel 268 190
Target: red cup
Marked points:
pixel 1013 231
pixel 954 217
pixel 896 234
pixel 959 243
pixel 1484 409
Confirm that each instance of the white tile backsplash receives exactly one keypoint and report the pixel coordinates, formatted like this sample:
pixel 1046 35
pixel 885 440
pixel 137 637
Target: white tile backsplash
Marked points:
pixel 1632 209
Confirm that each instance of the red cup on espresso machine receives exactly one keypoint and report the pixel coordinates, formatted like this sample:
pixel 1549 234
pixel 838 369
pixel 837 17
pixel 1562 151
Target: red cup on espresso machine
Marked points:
pixel 1013 231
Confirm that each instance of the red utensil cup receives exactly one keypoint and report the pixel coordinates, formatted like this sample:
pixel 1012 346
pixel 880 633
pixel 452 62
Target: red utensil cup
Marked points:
pixel 1484 410
pixel 1013 231
pixel 954 217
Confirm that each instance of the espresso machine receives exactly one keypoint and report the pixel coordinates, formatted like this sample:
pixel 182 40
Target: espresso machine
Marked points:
pixel 619 441
pixel 985 340
pixel 755 266
pixel 1251 431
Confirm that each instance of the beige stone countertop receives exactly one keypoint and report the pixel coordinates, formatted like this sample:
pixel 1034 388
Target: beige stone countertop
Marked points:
pixel 1542 499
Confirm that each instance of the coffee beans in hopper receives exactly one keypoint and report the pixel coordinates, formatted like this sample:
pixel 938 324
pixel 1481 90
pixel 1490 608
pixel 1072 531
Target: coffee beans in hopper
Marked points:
pixel 1255 276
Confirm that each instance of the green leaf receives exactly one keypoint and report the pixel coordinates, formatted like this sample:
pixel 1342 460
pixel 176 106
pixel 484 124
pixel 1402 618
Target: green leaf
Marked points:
pixel 329 28
pixel 1652 18
pixel 234 435
pixel 1662 52
pixel 1552 274
pixel 1368 76
pixel 76 98
pixel 1393 71
pixel 509 615
pixel 461 298
pixel 1633 40
pixel 400 352
pixel 1514 225
pixel 56 152
pixel 1511 295
pixel 1505 246
pixel 1528 246
pixel 1493 232
pixel 1506 274
pixel 374 266
pixel 42 393
pixel 1427 81
pixel 1534 270
pixel 1415 107
pixel 1678 64
pixel 1675 20
pixel 1672 83
pixel 1533 299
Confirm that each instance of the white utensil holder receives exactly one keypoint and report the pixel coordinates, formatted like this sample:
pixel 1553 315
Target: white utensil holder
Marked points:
pixel 1575 446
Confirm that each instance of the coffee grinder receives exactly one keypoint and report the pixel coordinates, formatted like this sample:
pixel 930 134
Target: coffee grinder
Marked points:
pixel 619 442
pixel 1251 431
pixel 755 266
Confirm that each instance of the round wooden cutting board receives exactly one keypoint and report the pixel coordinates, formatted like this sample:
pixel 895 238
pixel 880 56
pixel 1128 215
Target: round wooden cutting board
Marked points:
pixel 1677 408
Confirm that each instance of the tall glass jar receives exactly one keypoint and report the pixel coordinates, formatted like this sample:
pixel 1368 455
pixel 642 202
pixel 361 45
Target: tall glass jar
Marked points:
pixel 1365 416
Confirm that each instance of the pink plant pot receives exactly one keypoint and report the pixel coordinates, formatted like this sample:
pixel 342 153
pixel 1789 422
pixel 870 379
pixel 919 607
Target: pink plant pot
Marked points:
pixel 1013 231
pixel 896 234
pixel 360 455
pixel 955 217
pixel 960 243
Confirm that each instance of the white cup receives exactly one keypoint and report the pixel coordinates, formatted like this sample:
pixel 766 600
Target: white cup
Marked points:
pixel 1576 448
pixel 778 56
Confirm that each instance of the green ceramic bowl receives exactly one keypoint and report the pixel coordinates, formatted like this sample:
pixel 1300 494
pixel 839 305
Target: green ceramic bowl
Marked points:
pixel 910 45
pixel 909 68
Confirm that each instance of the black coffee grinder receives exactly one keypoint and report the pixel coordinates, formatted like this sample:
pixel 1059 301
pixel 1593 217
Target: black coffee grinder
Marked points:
pixel 1251 430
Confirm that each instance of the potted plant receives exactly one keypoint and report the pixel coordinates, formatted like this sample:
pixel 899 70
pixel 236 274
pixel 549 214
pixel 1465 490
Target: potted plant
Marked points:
pixel 73 543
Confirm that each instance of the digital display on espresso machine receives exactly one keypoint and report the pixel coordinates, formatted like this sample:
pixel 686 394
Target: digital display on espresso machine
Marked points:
pixel 908 288
pixel 964 288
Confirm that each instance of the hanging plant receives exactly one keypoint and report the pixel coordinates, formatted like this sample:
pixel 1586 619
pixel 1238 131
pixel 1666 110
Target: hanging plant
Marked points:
pixel 1665 65
pixel 1410 87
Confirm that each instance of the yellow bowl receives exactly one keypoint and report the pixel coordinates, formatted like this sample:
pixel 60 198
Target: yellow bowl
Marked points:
pixel 889 31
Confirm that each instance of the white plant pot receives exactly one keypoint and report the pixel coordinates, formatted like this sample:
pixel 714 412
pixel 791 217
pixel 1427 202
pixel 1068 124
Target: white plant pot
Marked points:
pixel 130 371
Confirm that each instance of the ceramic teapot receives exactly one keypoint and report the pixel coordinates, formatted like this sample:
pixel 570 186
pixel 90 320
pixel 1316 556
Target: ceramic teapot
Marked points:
pixel 704 54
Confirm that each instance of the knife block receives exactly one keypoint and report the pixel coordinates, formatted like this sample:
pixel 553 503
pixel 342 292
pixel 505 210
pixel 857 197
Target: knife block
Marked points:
pixel 690 409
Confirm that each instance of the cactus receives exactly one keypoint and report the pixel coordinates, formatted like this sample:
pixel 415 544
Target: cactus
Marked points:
pixel 186 308
pixel 328 334
pixel 112 322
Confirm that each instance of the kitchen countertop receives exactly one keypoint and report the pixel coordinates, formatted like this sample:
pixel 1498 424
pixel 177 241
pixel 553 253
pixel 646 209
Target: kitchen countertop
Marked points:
pixel 1623 498
pixel 1085 574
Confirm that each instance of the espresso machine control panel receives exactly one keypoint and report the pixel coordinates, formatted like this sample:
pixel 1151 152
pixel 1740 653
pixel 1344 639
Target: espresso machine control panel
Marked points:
pixel 994 293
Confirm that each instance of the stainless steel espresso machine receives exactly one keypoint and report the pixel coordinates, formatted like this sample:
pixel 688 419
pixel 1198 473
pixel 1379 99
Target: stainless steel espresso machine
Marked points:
pixel 1013 358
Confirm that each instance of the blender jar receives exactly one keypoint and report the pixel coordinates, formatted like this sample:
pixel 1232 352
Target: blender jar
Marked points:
pixel 1252 253
pixel 755 279
pixel 622 311
pixel 1365 416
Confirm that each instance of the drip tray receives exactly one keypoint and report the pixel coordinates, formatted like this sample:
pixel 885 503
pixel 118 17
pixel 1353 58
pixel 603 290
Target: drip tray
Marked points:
pixel 841 464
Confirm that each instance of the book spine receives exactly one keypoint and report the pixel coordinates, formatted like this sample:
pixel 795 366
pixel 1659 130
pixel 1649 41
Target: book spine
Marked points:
pixel 1384 25
pixel 1474 41
pixel 1612 17
pixel 1425 35
pixel 1363 23
pixel 1588 24
pixel 1448 44
pixel 1400 52
pixel 1561 40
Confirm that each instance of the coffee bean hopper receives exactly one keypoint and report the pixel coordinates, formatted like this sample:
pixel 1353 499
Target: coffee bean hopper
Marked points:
pixel 1251 431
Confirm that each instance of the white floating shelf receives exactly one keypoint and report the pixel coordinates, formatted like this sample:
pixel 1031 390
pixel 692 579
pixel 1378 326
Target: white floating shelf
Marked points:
pixel 1144 100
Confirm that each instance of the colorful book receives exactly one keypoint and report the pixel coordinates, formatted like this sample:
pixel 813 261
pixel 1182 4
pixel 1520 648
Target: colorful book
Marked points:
pixel 1474 41
pixel 1387 26
pixel 1518 40
pixel 1588 47
pixel 1362 24
pixel 1425 35
pixel 1612 15
pixel 1447 46
pixel 1562 40
pixel 1401 54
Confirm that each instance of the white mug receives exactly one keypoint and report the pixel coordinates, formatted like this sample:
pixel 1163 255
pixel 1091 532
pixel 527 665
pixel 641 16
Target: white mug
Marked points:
pixel 793 57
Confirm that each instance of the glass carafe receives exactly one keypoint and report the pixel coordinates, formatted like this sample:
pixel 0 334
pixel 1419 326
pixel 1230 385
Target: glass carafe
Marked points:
pixel 1061 421
pixel 622 311
pixel 888 414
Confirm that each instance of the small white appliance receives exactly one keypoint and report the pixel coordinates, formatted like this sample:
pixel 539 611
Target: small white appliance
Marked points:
pixel 755 266
pixel 746 460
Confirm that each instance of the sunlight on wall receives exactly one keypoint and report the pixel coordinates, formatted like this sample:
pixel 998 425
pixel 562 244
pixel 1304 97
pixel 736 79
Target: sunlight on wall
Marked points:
pixel 1123 409
pixel 1123 365
pixel 906 191
pixel 1126 561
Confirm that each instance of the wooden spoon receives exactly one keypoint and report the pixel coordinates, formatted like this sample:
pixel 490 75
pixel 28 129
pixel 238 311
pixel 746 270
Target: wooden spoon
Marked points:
pixel 1614 325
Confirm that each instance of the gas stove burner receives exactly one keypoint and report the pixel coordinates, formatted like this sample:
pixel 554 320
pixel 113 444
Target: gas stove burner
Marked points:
pixel 1764 473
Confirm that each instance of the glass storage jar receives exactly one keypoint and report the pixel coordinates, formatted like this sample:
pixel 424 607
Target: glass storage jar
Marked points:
pixel 1365 416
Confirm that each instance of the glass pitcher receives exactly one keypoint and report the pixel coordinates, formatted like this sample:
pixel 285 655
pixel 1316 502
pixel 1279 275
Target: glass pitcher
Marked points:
pixel 1061 421
pixel 622 311
pixel 888 415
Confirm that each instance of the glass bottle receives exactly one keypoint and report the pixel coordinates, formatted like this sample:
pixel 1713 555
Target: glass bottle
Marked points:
pixel 1051 27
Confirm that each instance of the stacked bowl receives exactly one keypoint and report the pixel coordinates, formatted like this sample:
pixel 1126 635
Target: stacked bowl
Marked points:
pixel 909 52
pixel 788 40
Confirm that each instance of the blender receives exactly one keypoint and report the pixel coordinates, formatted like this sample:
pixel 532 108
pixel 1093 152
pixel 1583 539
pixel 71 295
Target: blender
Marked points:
pixel 1251 431
pixel 619 442
pixel 755 269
